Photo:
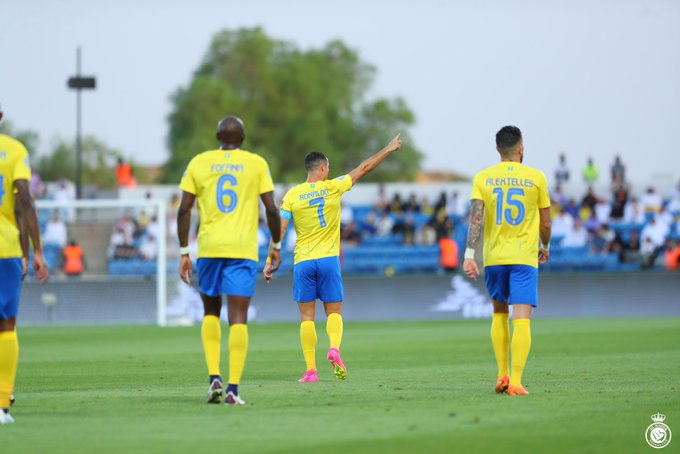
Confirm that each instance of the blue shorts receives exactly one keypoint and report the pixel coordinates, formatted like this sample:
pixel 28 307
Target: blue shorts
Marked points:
pixel 10 286
pixel 318 278
pixel 218 276
pixel 512 284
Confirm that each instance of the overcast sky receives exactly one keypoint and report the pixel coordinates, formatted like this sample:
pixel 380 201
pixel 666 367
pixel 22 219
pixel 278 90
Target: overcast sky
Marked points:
pixel 590 77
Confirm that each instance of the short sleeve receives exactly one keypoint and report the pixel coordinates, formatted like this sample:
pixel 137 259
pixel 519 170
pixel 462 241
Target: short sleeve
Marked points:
pixel 22 166
pixel 265 184
pixel 476 189
pixel 286 208
pixel 188 184
pixel 543 196
pixel 342 183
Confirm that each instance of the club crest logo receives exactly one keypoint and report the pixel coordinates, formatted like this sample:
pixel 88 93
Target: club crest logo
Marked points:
pixel 658 434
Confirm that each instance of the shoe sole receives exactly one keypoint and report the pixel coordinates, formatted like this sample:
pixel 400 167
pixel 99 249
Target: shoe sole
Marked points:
pixel 339 371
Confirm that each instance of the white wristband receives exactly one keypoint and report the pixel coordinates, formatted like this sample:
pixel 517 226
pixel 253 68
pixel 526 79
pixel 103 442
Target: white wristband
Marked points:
pixel 276 246
pixel 184 250
pixel 545 246
pixel 470 253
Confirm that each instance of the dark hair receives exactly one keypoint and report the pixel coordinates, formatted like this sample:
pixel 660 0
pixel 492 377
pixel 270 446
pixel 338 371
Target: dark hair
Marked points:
pixel 508 137
pixel 314 160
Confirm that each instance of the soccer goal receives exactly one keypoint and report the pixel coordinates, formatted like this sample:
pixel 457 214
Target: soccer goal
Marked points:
pixel 129 267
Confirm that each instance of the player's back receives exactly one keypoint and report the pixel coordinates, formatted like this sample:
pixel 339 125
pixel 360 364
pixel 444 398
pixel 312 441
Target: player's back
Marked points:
pixel 512 194
pixel 315 211
pixel 13 166
pixel 227 185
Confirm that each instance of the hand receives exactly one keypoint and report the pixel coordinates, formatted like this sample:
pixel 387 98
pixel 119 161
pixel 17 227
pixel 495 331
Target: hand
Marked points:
pixel 186 268
pixel 42 274
pixel 470 268
pixel 395 143
pixel 273 263
pixel 24 267
pixel 543 255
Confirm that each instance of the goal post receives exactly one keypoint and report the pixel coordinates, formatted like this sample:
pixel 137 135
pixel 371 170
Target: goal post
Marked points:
pixel 92 224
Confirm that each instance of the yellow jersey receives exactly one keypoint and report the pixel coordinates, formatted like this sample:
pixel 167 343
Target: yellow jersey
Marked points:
pixel 227 185
pixel 14 166
pixel 512 194
pixel 314 209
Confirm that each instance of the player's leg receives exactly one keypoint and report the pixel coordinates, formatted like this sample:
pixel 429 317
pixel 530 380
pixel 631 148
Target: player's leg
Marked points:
pixel 331 292
pixel 496 278
pixel 10 276
pixel 304 292
pixel 238 282
pixel 209 272
pixel 308 340
pixel 523 297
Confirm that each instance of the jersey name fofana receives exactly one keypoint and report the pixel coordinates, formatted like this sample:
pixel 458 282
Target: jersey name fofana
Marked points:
pixel 314 209
pixel 512 194
pixel 227 185
pixel 13 166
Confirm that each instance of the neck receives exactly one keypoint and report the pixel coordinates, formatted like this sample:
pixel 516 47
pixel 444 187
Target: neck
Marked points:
pixel 313 178
pixel 228 146
pixel 513 158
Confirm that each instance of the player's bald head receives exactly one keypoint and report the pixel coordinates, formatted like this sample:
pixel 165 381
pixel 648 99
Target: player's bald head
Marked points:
pixel 231 132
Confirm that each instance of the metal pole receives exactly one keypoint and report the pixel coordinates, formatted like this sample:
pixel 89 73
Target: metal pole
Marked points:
pixel 79 170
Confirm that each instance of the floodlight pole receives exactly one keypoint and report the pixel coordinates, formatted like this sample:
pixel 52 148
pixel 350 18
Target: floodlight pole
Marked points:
pixel 79 83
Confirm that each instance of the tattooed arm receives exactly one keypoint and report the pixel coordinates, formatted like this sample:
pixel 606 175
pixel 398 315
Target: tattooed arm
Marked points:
pixel 474 234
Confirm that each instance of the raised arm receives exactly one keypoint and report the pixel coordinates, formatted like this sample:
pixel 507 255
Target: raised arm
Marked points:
pixel 29 221
pixel 183 226
pixel 544 231
pixel 372 162
pixel 474 234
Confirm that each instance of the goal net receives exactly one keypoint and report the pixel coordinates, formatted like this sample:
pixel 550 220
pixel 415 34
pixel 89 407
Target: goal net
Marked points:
pixel 129 267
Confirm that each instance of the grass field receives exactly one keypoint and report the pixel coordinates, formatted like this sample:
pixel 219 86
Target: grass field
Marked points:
pixel 412 387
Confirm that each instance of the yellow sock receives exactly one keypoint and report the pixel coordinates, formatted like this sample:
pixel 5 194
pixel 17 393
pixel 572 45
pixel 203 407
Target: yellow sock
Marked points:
pixel 308 341
pixel 334 329
pixel 521 344
pixel 9 356
pixel 500 339
pixel 211 334
pixel 238 348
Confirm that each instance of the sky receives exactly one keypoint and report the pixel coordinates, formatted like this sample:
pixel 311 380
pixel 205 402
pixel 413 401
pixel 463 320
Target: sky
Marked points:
pixel 585 77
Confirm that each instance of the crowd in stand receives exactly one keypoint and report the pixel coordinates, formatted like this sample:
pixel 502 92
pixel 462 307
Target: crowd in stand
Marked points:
pixel 638 229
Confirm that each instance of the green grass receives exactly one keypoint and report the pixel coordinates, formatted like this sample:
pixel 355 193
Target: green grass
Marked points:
pixel 412 387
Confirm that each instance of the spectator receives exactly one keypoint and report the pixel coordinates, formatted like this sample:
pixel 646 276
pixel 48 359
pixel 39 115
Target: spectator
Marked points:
pixel 367 227
pixel 631 248
pixel 590 172
pixel 444 229
pixel 425 206
pixel 648 253
pixel 563 223
pixel 127 225
pixel 593 223
pixel 562 171
pixel 426 235
pixel 396 205
pixel 602 240
pixel 653 238
pixel 602 210
pixel 346 215
pixel 576 237
pixel 125 175
pixel 152 227
pixel 664 217
pixel 73 259
pixel 148 250
pixel 633 212
pixel 412 205
pixel 558 197
pixel 64 192
pixel 672 255
pixel 441 203
pixel 384 225
pixel 36 186
pixel 55 231
pixel 350 235
pixel 448 254
pixel 618 207
pixel 618 172
pixel 651 201
pixel 383 204
pixel 590 199
pixel 453 205
pixel 409 230
pixel 120 246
